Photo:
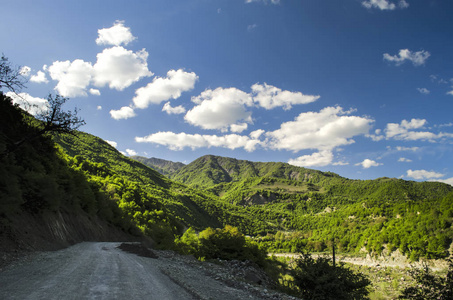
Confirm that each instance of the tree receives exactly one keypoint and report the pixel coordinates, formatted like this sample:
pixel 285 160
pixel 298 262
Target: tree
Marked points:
pixel 53 119
pixel 429 285
pixel 10 77
pixel 318 279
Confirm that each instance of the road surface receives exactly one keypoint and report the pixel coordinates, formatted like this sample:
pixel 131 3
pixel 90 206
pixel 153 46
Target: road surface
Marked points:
pixel 88 271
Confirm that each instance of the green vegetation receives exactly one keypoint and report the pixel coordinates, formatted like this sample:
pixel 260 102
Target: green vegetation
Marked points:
pixel 227 243
pixel 297 208
pixel 430 286
pixel 318 278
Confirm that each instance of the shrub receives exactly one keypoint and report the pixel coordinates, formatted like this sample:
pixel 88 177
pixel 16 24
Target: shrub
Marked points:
pixel 319 279
pixel 429 285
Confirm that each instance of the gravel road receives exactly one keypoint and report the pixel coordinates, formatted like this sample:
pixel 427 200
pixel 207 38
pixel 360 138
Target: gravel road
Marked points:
pixel 88 271
pixel 103 271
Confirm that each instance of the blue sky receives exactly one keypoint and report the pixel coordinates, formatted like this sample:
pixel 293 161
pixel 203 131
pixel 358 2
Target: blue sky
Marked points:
pixel 362 88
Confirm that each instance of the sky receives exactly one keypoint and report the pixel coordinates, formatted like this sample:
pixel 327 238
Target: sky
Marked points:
pixel 362 88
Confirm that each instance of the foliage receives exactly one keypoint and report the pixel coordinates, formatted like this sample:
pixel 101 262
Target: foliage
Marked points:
pixel 429 285
pixel 227 243
pixel 319 279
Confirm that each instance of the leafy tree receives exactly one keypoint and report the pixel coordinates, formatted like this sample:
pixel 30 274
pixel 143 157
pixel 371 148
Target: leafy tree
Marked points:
pixel 429 285
pixel 319 279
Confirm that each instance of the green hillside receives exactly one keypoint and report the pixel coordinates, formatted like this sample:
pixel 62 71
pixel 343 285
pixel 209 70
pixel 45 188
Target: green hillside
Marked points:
pixel 285 208
pixel 309 209
pixel 162 166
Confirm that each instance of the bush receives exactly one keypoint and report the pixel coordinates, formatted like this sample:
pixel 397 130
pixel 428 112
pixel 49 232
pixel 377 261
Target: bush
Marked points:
pixel 227 243
pixel 430 286
pixel 319 279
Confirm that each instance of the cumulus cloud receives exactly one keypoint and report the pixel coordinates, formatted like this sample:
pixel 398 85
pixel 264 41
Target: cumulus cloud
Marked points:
pixel 118 67
pixel 384 4
pixel 320 159
pixel 131 152
pixel 95 92
pixel 112 143
pixel 256 134
pixel 269 97
pixel 179 141
pixel 220 109
pixel 162 89
pixel 124 112
pixel 324 130
pixel 406 131
pixel 25 71
pixel 73 77
pixel 40 77
pixel 417 58
pixel 447 181
pixel 116 35
pixel 423 174
pixel 32 105
pixel 368 163
pixel 239 127
pixel 173 110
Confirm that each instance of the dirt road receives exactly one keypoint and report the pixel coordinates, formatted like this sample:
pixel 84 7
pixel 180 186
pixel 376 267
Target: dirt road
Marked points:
pixel 88 271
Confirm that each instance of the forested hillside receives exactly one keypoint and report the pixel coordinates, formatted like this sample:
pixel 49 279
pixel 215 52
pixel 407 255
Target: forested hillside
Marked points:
pixel 162 166
pixel 285 208
pixel 298 208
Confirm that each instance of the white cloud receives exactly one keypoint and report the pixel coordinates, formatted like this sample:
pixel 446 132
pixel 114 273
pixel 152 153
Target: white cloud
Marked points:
pixel 447 181
pixel 112 143
pixel 179 141
pixel 423 174
pixel 269 97
pixel 73 77
pixel 256 134
pixel 450 93
pixel 405 131
pixel 400 148
pixel 118 67
pixel 239 127
pixel 251 28
pixel 33 105
pixel 384 4
pixel 403 159
pixel 25 71
pixel 424 91
pixel 322 158
pixel 264 1
pixel 324 130
pixel 368 163
pixel 40 77
pixel 162 89
pixel 220 108
pixel 173 110
pixel 99 107
pixel 116 35
pixel 417 58
pixel 131 152
pixel 95 92
pixel 124 112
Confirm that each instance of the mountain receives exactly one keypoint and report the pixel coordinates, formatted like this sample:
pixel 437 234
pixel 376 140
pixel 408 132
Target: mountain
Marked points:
pixel 72 181
pixel 162 166
pixel 294 208
pixel 210 170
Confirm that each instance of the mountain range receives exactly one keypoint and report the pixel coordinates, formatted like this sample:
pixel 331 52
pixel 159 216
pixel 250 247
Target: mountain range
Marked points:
pixel 282 207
